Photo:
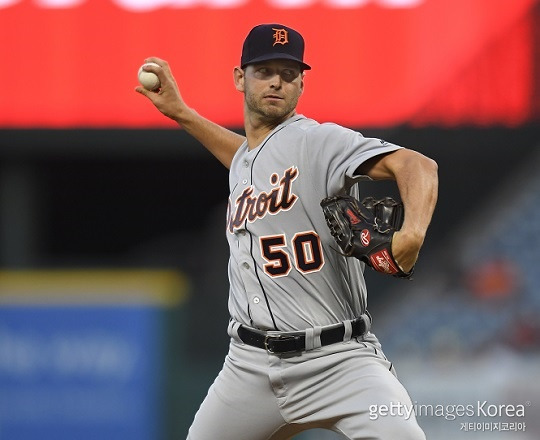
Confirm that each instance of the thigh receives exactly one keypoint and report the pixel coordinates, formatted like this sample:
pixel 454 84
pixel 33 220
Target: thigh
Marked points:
pixel 377 405
pixel 240 404
pixel 339 386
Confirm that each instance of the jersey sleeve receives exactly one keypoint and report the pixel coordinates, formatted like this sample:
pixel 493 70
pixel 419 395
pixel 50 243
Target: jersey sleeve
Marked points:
pixel 336 153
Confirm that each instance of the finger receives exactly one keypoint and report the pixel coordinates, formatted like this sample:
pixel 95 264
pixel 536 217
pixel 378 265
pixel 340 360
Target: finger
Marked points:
pixel 160 62
pixel 155 60
pixel 162 71
pixel 143 91
pixel 147 67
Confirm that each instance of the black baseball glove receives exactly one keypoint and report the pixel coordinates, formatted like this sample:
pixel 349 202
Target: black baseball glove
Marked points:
pixel 365 230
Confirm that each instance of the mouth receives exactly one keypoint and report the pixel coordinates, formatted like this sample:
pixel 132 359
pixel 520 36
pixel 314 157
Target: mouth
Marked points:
pixel 273 97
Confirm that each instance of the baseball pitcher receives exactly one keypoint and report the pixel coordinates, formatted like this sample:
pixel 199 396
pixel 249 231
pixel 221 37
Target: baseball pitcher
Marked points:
pixel 302 354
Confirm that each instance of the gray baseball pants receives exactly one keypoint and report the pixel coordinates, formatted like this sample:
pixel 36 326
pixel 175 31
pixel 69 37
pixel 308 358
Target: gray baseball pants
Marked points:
pixel 263 396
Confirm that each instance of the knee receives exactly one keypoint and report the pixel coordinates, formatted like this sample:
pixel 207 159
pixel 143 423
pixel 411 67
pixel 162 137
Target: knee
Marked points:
pixel 400 428
pixel 382 428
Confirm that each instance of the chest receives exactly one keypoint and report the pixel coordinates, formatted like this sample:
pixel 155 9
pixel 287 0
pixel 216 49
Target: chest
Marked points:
pixel 262 188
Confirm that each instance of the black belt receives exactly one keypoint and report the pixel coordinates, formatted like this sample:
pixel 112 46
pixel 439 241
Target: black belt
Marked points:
pixel 296 341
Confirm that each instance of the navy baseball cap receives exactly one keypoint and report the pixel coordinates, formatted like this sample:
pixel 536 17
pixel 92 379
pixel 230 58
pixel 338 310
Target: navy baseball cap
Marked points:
pixel 273 42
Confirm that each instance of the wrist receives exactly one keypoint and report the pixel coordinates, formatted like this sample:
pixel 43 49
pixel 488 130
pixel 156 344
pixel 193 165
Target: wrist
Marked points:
pixel 183 115
pixel 414 238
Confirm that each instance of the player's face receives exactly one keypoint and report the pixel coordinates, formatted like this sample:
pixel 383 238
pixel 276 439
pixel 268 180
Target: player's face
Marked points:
pixel 272 89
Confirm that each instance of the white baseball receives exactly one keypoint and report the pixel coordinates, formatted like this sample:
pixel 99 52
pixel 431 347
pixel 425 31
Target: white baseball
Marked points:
pixel 149 80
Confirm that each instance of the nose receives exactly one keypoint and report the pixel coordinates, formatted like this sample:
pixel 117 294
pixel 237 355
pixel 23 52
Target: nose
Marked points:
pixel 275 81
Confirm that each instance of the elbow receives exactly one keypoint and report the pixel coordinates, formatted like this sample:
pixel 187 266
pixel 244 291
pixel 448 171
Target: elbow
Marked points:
pixel 430 166
pixel 430 169
pixel 427 165
pixel 423 164
pixel 422 169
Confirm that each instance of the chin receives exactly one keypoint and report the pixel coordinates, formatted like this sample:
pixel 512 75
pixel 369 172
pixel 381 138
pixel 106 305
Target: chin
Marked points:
pixel 276 112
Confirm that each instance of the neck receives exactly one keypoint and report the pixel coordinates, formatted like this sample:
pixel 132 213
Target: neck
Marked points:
pixel 258 127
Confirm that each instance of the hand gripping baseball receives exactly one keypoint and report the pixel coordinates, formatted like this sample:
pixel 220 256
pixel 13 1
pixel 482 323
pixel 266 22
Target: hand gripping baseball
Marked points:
pixel 365 230
pixel 167 98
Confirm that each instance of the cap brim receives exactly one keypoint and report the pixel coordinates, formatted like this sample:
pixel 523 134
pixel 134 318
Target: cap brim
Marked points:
pixel 278 56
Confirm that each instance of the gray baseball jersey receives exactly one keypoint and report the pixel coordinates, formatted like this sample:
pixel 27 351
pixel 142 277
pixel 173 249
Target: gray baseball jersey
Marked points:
pixel 285 275
pixel 284 271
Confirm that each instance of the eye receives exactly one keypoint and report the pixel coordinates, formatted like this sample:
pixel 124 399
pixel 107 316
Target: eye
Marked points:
pixel 262 72
pixel 289 75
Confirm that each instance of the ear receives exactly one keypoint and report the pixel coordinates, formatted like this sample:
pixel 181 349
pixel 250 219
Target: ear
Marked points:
pixel 302 82
pixel 239 76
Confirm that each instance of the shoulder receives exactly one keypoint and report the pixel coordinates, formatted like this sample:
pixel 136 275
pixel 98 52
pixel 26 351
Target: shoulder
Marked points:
pixel 316 131
pixel 300 124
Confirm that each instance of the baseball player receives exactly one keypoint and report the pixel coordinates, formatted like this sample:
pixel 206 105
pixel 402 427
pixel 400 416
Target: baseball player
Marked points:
pixel 302 355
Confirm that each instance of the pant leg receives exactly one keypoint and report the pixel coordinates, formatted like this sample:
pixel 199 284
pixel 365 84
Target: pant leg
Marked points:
pixel 342 384
pixel 240 404
pixel 382 410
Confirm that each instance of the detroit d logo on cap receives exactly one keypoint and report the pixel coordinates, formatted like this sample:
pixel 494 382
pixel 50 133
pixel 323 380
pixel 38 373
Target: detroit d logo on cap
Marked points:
pixel 281 36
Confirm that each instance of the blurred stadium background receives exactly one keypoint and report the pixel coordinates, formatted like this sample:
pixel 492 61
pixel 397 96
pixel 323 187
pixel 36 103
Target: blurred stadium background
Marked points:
pixel 113 281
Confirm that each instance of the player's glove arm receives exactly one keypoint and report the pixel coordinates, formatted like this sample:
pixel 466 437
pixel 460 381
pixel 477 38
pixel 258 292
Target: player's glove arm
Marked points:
pixel 417 181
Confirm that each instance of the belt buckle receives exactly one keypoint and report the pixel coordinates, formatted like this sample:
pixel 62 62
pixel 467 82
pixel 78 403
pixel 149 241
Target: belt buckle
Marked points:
pixel 282 338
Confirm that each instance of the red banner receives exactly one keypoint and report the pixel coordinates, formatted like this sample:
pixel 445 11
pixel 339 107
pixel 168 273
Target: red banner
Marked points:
pixel 73 63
